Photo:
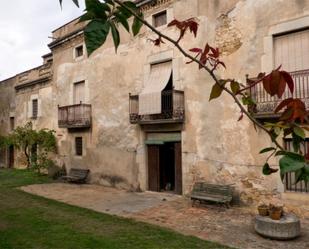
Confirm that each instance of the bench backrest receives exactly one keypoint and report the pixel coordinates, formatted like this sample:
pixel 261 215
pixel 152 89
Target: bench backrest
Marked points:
pixel 213 189
pixel 79 173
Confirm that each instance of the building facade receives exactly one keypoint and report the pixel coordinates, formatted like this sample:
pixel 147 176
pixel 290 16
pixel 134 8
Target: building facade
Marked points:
pixel 140 118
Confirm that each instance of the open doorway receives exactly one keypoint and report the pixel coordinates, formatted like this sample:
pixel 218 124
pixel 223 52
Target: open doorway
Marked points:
pixel 11 156
pixel 164 167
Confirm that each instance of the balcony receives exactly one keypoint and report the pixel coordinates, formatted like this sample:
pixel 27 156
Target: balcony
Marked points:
pixel 74 116
pixel 173 109
pixel 265 104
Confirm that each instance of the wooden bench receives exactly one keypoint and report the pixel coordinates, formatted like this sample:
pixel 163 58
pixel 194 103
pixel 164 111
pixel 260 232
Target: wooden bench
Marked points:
pixel 76 175
pixel 202 191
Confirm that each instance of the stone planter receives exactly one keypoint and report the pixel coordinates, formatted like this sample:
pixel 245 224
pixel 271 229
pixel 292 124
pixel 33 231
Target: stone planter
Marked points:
pixel 286 228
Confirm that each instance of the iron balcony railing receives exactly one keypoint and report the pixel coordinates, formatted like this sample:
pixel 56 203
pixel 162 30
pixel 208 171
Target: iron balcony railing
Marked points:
pixel 265 104
pixel 74 116
pixel 172 106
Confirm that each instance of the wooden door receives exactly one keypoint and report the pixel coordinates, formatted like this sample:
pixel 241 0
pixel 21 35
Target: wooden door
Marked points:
pixel 11 156
pixel 178 169
pixel 153 168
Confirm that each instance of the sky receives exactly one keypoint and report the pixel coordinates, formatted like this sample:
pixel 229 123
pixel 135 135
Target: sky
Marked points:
pixel 25 26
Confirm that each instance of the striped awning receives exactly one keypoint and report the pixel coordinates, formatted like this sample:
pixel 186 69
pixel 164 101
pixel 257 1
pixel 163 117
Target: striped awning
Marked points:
pixel 150 97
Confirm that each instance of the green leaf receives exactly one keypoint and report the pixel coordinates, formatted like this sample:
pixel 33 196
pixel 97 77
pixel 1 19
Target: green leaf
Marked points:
pixel 131 5
pixel 97 9
pixel 123 20
pixel 136 26
pixel 95 35
pixel 87 16
pixel 294 155
pixel 216 91
pixel 124 12
pixel 110 2
pixel 304 174
pixel 267 150
pixel 267 170
pixel 247 100
pixel 277 131
pixel 76 2
pixel 115 34
pixel 235 87
pixel 299 132
pixel 291 164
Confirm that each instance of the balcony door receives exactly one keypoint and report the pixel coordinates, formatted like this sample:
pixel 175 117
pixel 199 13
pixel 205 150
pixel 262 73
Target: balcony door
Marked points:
pixel 292 50
pixel 79 92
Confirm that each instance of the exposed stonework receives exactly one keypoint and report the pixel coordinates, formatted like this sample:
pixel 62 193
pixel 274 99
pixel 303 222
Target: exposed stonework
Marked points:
pixel 228 37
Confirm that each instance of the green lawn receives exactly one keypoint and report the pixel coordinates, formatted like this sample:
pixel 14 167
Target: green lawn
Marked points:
pixel 28 221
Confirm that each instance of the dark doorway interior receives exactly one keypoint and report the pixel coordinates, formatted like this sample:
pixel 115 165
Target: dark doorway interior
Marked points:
pixel 164 167
pixel 11 156
pixel 167 167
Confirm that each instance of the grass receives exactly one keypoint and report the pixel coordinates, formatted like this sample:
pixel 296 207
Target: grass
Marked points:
pixel 28 221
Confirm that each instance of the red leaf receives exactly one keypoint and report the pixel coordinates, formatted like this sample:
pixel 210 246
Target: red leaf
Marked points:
pixel 196 50
pixel 203 58
pixel 193 26
pixel 175 22
pixel 287 77
pixel 283 104
pixel 215 52
pixel 241 116
pixel 222 63
pixel 295 110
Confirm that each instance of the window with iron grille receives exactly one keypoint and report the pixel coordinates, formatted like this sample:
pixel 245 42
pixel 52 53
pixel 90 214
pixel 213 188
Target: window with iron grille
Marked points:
pixel 289 179
pixel 160 19
pixel 34 108
pixel 79 51
pixel 79 146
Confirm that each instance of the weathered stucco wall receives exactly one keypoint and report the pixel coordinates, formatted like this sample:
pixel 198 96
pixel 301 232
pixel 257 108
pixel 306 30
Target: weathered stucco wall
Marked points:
pixel 215 147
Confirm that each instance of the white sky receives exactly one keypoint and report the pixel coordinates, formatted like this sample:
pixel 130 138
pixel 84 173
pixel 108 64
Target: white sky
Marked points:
pixel 25 26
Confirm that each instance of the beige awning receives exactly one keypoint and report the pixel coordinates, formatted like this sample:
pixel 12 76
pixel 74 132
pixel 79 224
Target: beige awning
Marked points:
pixel 150 97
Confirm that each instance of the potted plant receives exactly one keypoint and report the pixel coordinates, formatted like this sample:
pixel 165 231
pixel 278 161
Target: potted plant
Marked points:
pixel 275 211
pixel 263 209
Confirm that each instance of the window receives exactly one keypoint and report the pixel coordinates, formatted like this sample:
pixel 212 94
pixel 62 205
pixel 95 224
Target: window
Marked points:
pixel 160 19
pixel 34 108
pixel 79 92
pixel 12 123
pixel 79 146
pixel 79 51
pixel 289 179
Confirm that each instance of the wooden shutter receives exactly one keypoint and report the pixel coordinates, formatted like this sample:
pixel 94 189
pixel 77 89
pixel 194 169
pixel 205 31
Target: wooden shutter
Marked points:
pixel 79 92
pixel 34 108
pixel 178 169
pixel 79 146
pixel 292 51
pixel 153 168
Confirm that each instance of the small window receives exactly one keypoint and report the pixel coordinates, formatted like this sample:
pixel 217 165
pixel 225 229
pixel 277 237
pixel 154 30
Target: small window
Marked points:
pixel 34 108
pixel 79 146
pixel 12 123
pixel 160 19
pixel 79 51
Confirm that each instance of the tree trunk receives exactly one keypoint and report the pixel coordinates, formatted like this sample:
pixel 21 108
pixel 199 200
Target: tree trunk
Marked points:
pixel 27 156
